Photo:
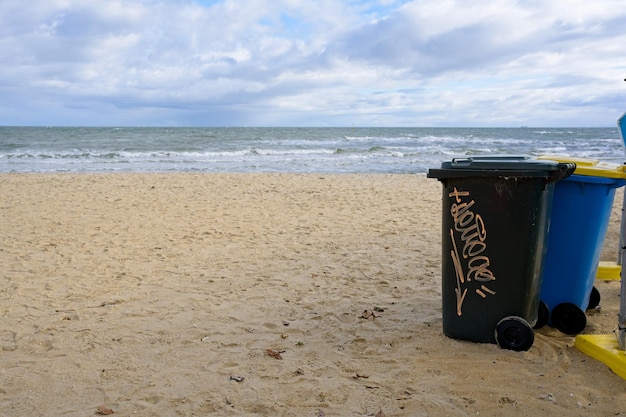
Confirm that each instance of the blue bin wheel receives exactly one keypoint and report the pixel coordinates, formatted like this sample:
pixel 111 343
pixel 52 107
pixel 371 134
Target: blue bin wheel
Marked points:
pixel 594 299
pixel 543 315
pixel 514 333
pixel 569 318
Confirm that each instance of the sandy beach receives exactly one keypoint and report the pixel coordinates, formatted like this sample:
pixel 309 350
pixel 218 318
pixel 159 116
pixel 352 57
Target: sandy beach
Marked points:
pixel 243 294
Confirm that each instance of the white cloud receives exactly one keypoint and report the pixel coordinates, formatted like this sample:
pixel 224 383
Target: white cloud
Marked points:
pixel 328 62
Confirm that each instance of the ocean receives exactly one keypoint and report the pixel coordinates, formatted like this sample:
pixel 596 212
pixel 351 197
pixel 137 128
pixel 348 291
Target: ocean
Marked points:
pixel 284 149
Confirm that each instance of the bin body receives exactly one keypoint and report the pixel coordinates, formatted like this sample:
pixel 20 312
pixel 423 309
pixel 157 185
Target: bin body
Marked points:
pixel 495 221
pixel 579 221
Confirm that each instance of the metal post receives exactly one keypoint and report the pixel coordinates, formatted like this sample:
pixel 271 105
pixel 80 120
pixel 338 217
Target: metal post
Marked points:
pixel 621 321
pixel 620 247
pixel 622 240
pixel 621 336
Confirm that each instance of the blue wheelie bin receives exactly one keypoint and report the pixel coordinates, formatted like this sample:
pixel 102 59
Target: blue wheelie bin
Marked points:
pixel 579 220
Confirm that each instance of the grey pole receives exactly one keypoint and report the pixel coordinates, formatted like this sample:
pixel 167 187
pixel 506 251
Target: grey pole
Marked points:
pixel 621 325
pixel 621 336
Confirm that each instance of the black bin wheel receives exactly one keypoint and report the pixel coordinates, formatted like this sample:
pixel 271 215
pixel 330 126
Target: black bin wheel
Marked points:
pixel 594 299
pixel 569 318
pixel 543 315
pixel 514 333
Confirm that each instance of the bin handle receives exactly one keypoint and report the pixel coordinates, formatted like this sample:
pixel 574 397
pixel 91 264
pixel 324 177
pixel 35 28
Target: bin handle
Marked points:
pixel 564 170
pixel 459 161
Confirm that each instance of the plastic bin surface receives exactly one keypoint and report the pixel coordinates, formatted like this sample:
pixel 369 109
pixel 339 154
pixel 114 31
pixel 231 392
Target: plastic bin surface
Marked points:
pixel 495 218
pixel 580 216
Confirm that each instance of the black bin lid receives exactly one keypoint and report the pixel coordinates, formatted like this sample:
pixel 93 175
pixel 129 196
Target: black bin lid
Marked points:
pixel 517 166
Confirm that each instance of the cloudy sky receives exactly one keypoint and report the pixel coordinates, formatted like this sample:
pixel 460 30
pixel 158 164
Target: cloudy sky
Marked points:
pixel 312 62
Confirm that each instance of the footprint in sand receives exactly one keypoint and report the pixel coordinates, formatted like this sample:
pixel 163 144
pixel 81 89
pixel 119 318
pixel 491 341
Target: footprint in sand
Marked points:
pixel 7 340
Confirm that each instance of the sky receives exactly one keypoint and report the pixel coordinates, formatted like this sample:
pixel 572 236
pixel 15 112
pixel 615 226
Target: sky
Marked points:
pixel 432 63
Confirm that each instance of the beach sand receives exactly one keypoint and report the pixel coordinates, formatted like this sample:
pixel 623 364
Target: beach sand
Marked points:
pixel 243 294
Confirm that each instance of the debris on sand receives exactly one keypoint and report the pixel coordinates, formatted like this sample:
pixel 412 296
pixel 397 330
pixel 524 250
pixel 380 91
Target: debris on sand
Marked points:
pixel 275 353
pixel 104 411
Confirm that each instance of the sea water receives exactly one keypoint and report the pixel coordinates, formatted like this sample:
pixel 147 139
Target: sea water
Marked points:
pixel 284 149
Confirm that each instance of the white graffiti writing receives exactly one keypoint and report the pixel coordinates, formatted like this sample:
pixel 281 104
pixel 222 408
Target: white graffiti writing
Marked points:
pixel 473 235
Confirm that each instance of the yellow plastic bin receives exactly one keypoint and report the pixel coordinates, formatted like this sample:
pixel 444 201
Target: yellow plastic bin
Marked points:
pixel 581 210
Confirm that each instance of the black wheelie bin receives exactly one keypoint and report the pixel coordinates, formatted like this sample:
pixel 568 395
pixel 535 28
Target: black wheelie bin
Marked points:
pixel 496 213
